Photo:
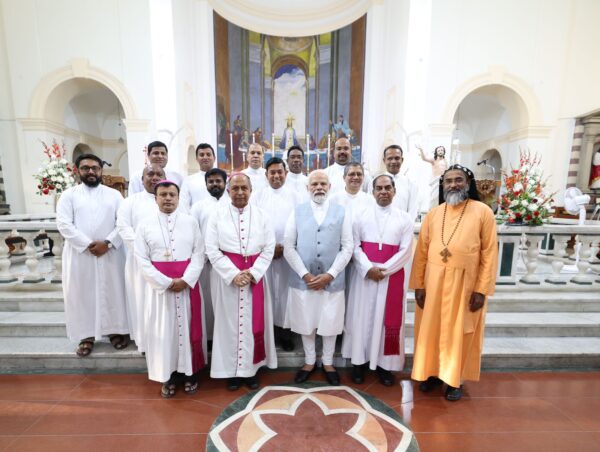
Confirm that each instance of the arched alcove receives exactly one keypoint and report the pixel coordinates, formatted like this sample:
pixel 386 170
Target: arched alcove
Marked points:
pixel 80 149
pixel 192 165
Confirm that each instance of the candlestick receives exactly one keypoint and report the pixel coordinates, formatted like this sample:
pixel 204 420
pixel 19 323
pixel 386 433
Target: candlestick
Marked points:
pixel 307 154
pixel 231 149
pixel 328 148
pixel 253 139
pixel 273 143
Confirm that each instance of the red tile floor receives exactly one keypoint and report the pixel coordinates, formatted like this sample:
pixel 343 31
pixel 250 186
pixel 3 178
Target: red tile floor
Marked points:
pixel 505 411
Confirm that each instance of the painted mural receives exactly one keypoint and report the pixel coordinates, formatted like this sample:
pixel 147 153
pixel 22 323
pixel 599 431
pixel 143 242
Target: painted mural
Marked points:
pixel 282 91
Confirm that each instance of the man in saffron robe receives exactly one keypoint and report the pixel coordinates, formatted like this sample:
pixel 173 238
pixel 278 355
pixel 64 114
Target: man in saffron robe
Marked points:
pixel 453 273
pixel 170 253
pixel 374 331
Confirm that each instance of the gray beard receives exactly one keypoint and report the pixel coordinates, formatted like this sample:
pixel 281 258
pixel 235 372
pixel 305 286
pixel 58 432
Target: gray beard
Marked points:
pixel 455 197
pixel 319 199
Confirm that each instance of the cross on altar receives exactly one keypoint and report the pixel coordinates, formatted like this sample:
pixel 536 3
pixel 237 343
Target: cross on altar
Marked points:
pixel 445 254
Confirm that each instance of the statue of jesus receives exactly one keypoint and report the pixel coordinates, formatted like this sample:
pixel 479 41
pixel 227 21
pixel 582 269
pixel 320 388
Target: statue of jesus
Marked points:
pixel 595 173
pixel 438 163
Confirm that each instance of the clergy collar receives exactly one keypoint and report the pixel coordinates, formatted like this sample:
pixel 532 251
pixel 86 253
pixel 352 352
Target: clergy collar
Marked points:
pixel 255 171
pixel 352 195
pixel 238 210
pixel 385 209
pixel 168 215
pixel 277 190
pixel 147 194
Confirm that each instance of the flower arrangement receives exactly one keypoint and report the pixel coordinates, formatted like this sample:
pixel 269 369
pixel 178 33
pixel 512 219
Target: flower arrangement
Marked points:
pixel 55 175
pixel 526 200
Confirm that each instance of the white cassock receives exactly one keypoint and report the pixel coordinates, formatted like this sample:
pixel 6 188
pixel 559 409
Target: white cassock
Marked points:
pixel 247 233
pixel 298 183
pixel 320 310
pixel 201 211
pixel 133 211
pixel 93 287
pixel 168 346
pixel 136 185
pixel 278 205
pixel 407 195
pixel 336 179
pixel 258 178
pixel 193 189
pixel 354 204
pixel 364 332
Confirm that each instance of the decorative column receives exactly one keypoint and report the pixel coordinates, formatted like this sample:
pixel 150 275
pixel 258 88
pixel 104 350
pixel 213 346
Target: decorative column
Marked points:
pixel 5 275
pixel 57 251
pixel 583 264
pixel 532 256
pixel 560 247
pixel 32 263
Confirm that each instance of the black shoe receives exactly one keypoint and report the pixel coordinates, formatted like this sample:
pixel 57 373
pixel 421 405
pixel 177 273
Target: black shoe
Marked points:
pixel 302 375
pixel 385 376
pixel 252 382
pixel 333 378
pixel 358 374
pixel 233 384
pixel 287 344
pixel 430 384
pixel 453 394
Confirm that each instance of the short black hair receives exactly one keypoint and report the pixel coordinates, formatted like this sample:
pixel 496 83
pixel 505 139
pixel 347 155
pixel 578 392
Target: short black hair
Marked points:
pixel 394 146
pixel 88 157
pixel 157 144
pixel 166 183
pixel 205 146
pixel 294 148
pixel 274 161
pixel 218 172
pixel 384 175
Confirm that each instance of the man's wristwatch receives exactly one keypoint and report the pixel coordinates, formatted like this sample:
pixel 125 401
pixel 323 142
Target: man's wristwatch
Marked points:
pixel 110 245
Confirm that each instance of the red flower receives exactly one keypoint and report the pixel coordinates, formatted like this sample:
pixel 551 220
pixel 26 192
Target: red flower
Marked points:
pixel 536 214
pixel 517 214
pixel 45 191
pixel 528 218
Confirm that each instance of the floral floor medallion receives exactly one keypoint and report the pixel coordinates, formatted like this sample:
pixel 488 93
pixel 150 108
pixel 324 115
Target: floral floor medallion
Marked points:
pixel 310 416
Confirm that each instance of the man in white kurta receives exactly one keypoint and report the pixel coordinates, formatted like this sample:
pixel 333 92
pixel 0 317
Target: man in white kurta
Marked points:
pixel 170 252
pixel 132 213
pixel 374 331
pixel 352 198
pixel 157 153
pixel 255 171
pixel 93 259
pixel 342 155
pixel 318 245
pixel 193 188
pixel 407 194
pixel 278 201
pixel 240 244
pixel 295 179
pixel 215 185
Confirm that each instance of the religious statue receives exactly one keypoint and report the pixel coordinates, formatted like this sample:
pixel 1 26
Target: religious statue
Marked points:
pixel 438 166
pixel 595 172
pixel 341 129
pixel 288 139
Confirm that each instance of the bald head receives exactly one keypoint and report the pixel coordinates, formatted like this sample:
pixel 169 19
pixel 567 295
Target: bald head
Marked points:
pixel 151 176
pixel 239 188
pixel 255 155
pixel 342 151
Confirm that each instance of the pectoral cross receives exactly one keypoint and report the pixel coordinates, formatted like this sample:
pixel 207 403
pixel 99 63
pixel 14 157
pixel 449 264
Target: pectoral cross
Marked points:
pixel 445 254
pixel 380 246
pixel 168 254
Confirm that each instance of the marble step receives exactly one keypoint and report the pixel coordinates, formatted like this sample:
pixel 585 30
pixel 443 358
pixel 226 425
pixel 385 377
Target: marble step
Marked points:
pixel 56 355
pixel 498 324
pixel 29 301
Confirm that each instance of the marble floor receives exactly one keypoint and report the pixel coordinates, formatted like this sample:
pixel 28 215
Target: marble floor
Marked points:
pixel 521 411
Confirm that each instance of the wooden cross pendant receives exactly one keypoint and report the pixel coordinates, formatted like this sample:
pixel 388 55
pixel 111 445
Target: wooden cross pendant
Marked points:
pixel 445 254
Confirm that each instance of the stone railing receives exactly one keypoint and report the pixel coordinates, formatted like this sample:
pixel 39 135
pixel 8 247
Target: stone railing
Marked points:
pixel 529 257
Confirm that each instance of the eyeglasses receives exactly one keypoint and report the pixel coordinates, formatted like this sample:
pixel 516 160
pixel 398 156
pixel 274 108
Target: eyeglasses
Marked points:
pixel 87 169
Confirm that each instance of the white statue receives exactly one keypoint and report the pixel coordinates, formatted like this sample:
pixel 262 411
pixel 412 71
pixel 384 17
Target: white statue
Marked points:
pixel 595 172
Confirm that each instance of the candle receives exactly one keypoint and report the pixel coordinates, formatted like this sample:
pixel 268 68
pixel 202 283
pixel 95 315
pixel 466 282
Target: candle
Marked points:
pixel 273 142
pixel 318 159
pixel 307 154
pixel 253 139
pixel 231 149
pixel 328 148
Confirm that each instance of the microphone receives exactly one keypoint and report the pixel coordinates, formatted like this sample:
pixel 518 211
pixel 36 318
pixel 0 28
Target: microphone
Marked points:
pixel 104 162
pixel 483 162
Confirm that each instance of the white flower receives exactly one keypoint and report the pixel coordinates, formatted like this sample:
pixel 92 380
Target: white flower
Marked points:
pixel 63 161
pixel 518 187
pixel 524 168
pixel 514 202
pixel 51 172
pixel 524 203
pixel 533 207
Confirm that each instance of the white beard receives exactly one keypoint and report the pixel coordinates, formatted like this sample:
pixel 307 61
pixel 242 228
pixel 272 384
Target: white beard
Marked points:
pixel 456 197
pixel 319 199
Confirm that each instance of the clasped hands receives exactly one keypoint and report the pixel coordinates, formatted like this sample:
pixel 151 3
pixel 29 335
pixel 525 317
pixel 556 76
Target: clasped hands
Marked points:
pixel 98 248
pixel 243 278
pixel 318 282
pixel 475 303
pixel 177 285
pixel 375 274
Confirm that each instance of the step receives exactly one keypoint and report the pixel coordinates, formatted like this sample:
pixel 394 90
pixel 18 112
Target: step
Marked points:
pixel 42 301
pixel 56 355
pixel 39 324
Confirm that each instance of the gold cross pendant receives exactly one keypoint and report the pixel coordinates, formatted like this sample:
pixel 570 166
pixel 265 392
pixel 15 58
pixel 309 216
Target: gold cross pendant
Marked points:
pixel 445 254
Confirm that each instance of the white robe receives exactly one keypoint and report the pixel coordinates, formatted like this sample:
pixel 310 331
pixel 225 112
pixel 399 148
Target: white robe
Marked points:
pixel 258 178
pixel 320 310
pixel 407 195
pixel 168 347
pixel 233 343
pixel 93 287
pixel 136 185
pixel 336 179
pixel 278 205
pixel 193 189
pixel 364 332
pixel 133 211
pixel 354 204
pixel 298 183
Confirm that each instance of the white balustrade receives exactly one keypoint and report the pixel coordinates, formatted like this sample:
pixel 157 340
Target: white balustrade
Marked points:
pixel 5 275
pixel 57 249
pixel 558 262
pixel 32 262
pixel 533 249
pixel 583 265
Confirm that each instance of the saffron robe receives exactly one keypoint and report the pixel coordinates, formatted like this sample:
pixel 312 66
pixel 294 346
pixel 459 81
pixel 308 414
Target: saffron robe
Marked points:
pixel 448 336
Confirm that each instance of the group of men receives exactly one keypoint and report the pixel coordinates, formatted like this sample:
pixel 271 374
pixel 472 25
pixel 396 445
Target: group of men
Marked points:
pixel 268 253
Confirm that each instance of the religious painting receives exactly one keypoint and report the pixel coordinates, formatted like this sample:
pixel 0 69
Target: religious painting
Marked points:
pixel 282 91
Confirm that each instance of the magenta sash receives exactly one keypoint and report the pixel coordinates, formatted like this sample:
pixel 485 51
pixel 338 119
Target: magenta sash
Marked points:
pixel 176 269
pixel 392 320
pixel 258 304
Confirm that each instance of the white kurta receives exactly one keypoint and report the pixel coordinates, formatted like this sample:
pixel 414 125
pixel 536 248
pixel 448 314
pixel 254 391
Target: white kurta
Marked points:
pixel 168 346
pixel 407 195
pixel 320 310
pixel 278 205
pixel 258 178
pixel 336 179
pixel 246 233
pixel 136 185
pixel 93 287
pixel 354 204
pixel 133 211
pixel 298 183
pixel 193 189
pixel 201 211
pixel 364 332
